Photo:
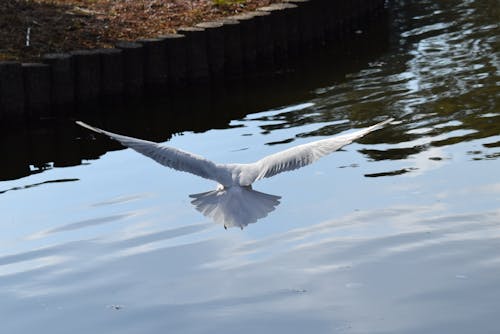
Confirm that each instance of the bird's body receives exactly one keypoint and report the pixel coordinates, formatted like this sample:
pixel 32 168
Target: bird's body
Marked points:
pixel 234 202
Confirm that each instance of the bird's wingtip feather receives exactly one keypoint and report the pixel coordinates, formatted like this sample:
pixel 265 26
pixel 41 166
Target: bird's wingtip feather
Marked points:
pixel 381 124
pixel 85 125
pixel 384 122
pixel 90 127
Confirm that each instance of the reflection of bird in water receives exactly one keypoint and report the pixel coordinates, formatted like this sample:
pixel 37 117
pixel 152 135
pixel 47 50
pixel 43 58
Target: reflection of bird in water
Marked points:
pixel 234 202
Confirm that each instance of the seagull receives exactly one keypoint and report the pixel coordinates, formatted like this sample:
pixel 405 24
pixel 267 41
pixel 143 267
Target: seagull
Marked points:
pixel 234 202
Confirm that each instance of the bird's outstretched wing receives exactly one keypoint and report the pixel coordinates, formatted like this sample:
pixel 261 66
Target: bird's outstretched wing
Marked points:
pixel 167 156
pixel 302 155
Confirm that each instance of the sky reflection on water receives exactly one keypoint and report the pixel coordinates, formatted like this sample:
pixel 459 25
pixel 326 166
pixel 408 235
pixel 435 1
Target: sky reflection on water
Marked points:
pixel 397 233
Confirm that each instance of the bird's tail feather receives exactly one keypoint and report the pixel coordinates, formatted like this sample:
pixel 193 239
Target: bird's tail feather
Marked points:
pixel 235 206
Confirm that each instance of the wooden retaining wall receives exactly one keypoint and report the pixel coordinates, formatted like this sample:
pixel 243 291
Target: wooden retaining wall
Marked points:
pixel 269 39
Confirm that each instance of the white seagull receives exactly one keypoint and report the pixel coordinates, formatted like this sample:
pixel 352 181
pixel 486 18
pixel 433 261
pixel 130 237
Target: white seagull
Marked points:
pixel 234 202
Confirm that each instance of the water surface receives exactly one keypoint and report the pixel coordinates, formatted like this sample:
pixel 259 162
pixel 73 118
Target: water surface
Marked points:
pixel 396 233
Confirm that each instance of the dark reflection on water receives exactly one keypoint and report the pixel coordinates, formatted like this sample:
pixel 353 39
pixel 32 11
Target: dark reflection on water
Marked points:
pixel 38 184
pixel 439 78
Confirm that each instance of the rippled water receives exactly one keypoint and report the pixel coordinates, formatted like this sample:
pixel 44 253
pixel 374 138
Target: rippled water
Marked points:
pixel 396 233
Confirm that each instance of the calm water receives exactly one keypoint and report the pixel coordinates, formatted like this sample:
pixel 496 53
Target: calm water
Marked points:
pixel 397 233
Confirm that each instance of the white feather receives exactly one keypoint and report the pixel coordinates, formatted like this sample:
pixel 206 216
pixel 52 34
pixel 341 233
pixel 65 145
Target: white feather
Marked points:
pixel 235 206
pixel 305 154
pixel 167 156
pixel 234 203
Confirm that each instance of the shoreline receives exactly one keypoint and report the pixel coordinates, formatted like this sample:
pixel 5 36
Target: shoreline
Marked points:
pixel 29 29
pixel 268 40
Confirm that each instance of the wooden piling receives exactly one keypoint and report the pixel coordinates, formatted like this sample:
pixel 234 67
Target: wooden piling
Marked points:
pixel 87 75
pixel 248 36
pixel 112 79
pixel 196 51
pixel 215 48
pixel 233 61
pixel 278 32
pixel 176 53
pixel 62 78
pixel 155 62
pixel 133 67
pixel 229 49
pixel 265 46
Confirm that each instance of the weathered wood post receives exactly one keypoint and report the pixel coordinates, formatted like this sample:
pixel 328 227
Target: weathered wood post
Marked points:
pixel 278 33
pixel 215 48
pixel 176 53
pixel 196 49
pixel 133 67
pixel 265 47
pixel 155 62
pixel 87 75
pixel 62 79
pixel 233 61
pixel 112 78
pixel 248 35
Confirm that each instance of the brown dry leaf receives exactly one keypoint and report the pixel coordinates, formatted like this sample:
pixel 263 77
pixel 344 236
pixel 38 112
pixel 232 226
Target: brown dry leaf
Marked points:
pixel 65 25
